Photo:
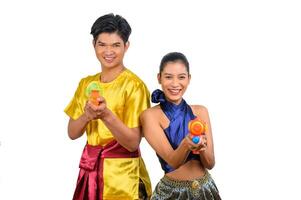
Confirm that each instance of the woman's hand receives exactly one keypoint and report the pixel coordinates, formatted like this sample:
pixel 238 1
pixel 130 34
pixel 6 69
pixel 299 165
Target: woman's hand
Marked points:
pixel 199 147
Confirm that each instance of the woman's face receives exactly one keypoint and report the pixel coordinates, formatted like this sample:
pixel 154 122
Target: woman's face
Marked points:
pixel 174 80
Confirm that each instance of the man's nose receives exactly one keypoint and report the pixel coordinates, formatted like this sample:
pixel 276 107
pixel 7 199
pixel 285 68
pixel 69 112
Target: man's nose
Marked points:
pixel 108 49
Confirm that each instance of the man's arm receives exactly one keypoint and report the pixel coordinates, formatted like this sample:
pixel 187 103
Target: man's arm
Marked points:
pixel 76 128
pixel 129 138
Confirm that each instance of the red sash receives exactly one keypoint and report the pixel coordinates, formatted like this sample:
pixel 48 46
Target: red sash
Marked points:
pixel 90 179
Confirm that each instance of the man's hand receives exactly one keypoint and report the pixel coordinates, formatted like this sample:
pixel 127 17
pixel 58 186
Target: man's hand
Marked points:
pixel 93 112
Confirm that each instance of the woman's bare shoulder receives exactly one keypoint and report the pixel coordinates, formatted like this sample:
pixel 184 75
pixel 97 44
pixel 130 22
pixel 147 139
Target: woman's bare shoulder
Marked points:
pixel 151 112
pixel 199 109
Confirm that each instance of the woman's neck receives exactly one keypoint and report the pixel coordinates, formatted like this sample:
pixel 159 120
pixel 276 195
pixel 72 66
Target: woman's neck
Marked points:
pixel 176 103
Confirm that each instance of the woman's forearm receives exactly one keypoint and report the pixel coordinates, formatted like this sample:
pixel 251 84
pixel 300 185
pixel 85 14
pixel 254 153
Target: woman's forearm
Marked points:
pixel 207 159
pixel 177 157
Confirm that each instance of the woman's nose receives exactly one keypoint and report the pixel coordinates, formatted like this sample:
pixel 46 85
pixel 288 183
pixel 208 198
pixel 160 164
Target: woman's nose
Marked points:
pixel 174 82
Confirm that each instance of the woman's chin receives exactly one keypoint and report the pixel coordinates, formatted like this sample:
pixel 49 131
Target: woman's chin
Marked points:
pixel 174 99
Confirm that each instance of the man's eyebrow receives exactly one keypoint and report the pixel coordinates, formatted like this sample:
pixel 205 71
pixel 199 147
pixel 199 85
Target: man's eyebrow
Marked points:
pixel 115 43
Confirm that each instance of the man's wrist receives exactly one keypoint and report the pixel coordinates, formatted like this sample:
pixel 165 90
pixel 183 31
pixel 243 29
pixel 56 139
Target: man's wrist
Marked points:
pixel 107 116
pixel 85 118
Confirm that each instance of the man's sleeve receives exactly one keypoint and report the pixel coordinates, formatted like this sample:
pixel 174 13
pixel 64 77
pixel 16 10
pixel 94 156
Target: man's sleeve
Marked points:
pixel 74 109
pixel 137 101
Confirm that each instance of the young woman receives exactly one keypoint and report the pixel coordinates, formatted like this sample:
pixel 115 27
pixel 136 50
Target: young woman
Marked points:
pixel 165 127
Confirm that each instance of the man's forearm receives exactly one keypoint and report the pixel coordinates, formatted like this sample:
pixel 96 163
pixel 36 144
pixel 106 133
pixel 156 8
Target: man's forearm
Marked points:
pixel 129 138
pixel 76 128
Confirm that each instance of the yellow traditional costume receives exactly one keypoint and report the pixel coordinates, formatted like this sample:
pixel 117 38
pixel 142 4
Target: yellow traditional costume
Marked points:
pixel 115 171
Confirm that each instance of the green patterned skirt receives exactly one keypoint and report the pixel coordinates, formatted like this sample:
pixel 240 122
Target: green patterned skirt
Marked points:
pixel 202 188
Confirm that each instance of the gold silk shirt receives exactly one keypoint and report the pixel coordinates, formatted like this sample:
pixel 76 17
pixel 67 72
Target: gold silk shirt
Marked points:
pixel 126 96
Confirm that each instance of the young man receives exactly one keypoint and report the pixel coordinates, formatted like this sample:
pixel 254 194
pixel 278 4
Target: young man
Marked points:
pixel 111 166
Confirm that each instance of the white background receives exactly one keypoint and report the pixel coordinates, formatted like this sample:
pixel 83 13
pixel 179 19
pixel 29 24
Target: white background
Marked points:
pixel 244 58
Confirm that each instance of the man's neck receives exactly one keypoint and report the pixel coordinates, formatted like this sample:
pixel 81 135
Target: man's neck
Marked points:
pixel 108 75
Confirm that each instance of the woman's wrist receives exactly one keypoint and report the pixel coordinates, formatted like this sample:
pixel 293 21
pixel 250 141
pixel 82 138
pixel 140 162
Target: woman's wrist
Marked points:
pixel 185 144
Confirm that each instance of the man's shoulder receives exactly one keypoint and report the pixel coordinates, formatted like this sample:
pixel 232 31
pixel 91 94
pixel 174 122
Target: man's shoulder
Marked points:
pixel 133 78
pixel 89 78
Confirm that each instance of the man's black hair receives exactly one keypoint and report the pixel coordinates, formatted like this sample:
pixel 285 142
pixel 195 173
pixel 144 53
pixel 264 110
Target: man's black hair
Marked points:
pixel 111 23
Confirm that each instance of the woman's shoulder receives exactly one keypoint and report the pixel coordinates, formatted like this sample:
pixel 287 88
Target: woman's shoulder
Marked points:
pixel 199 109
pixel 151 112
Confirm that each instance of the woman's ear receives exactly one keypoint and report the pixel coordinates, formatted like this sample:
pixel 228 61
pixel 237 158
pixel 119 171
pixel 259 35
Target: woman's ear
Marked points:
pixel 159 78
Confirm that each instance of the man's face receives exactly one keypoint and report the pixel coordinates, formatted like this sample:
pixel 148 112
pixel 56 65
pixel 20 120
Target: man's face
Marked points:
pixel 110 50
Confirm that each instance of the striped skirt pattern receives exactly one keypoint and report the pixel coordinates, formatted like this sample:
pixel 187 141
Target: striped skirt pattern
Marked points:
pixel 202 188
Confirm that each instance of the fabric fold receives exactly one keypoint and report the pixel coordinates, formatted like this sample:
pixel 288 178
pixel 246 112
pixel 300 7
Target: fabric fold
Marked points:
pixel 90 179
pixel 179 116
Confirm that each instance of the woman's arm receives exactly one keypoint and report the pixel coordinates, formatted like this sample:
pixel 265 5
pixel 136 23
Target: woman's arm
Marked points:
pixel 155 136
pixel 207 153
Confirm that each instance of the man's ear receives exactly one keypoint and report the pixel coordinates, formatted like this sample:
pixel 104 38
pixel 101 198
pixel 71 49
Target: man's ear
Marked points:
pixel 127 45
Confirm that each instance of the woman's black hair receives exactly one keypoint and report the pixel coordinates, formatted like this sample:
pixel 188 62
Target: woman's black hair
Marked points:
pixel 174 57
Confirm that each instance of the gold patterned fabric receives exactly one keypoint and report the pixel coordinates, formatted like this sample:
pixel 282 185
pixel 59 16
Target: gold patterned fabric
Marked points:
pixel 202 188
pixel 126 96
